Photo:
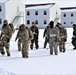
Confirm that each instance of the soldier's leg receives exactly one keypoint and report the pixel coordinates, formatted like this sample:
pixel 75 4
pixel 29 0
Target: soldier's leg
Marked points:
pixel 74 44
pixel 19 45
pixel 45 43
pixel 2 48
pixel 25 47
pixel 64 47
pixel 60 46
pixel 55 48
pixel 36 43
pixel 32 42
pixel 7 49
pixel 51 48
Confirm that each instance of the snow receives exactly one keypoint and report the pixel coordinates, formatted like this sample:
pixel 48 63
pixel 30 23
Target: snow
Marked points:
pixel 69 10
pixel 39 61
pixel 40 7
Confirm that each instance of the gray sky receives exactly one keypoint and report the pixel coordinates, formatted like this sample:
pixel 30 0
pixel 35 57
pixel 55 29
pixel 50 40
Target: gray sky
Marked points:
pixel 60 3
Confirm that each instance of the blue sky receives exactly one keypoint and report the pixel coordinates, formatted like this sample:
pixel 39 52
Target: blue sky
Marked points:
pixel 60 3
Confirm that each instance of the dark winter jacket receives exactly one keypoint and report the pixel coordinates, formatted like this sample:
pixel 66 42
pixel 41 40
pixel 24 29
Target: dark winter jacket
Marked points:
pixel 35 31
pixel 45 31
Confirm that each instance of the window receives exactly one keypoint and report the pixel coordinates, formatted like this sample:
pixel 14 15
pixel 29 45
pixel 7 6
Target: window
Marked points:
pixel 28 21
pixel 71 14
pixel 64 15
pixel 36 21
pixel 45 12
pixel 0 9
pixel 28 13
pixel 36 12
pixel 0 21
pixel 64 22
pixel 45 22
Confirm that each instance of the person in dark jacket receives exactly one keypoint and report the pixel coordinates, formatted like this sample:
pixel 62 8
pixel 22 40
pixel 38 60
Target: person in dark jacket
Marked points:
pixel 45 35
pixel 35 31
pixel 74 36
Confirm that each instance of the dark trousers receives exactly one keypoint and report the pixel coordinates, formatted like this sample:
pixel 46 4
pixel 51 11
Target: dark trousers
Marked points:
pixel 45 43
pixel 35 40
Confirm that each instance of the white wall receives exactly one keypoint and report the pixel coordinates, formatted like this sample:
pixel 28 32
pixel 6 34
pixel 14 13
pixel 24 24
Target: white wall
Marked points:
pixel 2 13
pixel 11 10
pixel 53 11
pixel 40 17
pixel 68 19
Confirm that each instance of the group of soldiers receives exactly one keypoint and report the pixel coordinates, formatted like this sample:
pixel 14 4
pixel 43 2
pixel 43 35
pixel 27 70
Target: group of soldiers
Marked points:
pixel 54 35
pixel 24 36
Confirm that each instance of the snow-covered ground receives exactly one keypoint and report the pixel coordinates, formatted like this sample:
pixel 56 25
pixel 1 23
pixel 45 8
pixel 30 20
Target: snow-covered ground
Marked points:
pixel 39 61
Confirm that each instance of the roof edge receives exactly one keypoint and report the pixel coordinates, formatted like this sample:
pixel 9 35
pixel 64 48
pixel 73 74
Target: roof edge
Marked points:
pixel 32 5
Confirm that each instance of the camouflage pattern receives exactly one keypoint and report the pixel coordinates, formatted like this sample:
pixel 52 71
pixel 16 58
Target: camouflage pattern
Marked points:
pixel 23 35
pixel 12 27
pixel 6 34
pixel 53 36
pixel 35 31
pixel 19 37
pixel 62 39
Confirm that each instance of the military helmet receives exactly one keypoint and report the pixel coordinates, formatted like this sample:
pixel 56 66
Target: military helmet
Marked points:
pixel 22 26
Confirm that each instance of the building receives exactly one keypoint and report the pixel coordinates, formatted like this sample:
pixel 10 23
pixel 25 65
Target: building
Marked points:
pixel 13 11
pixel 42 14
pixel 68 16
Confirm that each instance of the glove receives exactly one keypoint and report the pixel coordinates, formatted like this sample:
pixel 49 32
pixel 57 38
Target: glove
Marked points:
pixel 15 39
pixel 8 40
pixel 65 39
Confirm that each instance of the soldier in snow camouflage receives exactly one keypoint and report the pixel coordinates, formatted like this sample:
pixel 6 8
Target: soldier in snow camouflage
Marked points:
pixel 25 37
pixel 6 34
pixel 53 36
pixel 62 37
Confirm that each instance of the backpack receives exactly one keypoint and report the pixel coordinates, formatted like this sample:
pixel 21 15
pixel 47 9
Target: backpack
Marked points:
pixel 30 33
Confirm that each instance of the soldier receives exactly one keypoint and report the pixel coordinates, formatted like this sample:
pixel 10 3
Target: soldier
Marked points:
pixel 6 34
pixel 53 36
pixel 45 35
pixel 35 31
pixel 25 38
pixel 74 36
pixel 19 37
pixel 62 37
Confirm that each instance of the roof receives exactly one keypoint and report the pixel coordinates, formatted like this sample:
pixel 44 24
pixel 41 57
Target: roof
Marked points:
pixel 32 5
pixel 3 1
pixel 39 6
pixel 68 9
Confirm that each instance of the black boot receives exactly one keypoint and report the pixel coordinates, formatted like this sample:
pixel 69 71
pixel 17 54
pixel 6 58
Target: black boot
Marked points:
pixel 74 48
pixel 8 54
pixel 3 53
